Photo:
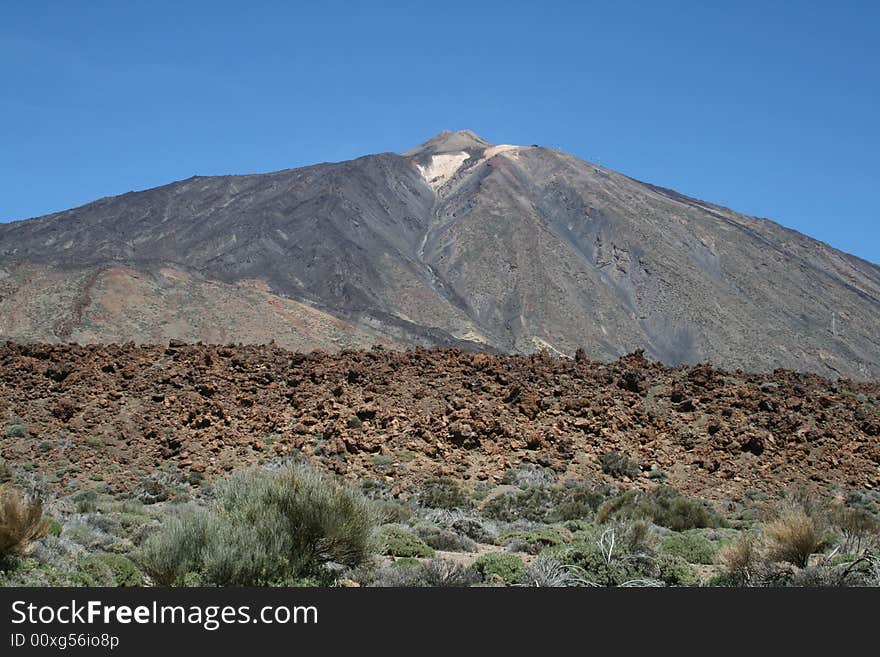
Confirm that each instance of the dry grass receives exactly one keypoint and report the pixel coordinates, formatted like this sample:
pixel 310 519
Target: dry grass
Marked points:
pixel 861 531
pixel 793 537
pixel 21 523
pixel 742 558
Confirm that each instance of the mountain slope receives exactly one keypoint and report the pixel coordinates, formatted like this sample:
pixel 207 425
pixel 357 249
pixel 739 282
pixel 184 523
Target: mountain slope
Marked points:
pixel 457 242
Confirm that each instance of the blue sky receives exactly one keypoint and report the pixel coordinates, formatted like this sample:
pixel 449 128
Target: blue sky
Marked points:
pixel 770 108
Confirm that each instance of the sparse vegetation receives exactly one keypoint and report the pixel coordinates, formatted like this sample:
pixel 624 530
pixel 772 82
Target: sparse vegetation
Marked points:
pixel 288 524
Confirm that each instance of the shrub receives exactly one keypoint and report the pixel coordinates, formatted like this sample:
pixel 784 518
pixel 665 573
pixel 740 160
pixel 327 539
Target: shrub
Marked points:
pixel 859 528
pixel 354 422
pixel 444 539
pixel 443 493
pixel 664 506
pixel 406 562
pixel 674 571
pixel 690 546
pixel 178 548
pixel 16 431
pixel 617 464
pixel 533 541
pixel 86 501
pixel 596 567
pixel 528 475
pixel 160 486
pixel 546 572
pixel 723 579
pixel 265 527
pixel 445 573
pixel 532 503
pixel 398 542
pixel 507 567
pixel 577 500
pixel 21 523
pixel 792 537
pixel 638 537
pixel 111 569
pixel 6 473
pixel 474 529
pixel 742 559
pixel 387 511
pixel 391 576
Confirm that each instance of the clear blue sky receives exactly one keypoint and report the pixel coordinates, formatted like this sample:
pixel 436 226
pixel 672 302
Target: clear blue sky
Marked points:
pixel 771 108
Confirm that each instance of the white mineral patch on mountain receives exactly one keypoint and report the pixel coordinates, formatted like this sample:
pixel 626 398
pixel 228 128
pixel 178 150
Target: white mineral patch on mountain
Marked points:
pixel 442 167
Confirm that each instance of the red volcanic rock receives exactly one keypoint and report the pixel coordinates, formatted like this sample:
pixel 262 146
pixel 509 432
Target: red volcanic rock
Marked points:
pixel 205 408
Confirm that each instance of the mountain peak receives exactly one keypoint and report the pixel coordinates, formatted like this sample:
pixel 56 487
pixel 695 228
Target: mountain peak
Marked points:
pixel 448 141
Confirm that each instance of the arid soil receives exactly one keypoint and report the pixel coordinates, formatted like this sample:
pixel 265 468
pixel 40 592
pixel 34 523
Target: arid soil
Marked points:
pixel 116 413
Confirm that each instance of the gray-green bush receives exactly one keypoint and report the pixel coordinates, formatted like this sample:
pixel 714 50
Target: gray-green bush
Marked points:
pixel 264 527
pixel 663 505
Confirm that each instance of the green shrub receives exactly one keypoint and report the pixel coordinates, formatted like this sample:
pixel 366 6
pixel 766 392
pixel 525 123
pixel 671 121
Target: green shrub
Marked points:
pixel 533 503
pixel 532 542
pixel 444 539
pixel 617 464
pixel 398 542
pixel 593 566
pixel 509 568
pixel 405 456
pixel 354 422
pixel 387 511
pixel 16 431
pixel 691 546
pixel 674 571
pixel 664 506
pixel 264 527
pixel 111 569
pixel 406 562
pixel 443 493
pixel 86 501
pixel 723 579
pixel 161 486
pixel 577 501
pixel 178 548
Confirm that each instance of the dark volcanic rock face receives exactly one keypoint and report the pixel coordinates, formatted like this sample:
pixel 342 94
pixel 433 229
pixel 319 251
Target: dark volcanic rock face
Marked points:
pixel 457 243
pixel 124 411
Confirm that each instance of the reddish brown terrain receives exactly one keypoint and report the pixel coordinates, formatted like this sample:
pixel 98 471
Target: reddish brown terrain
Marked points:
pixel 115 413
